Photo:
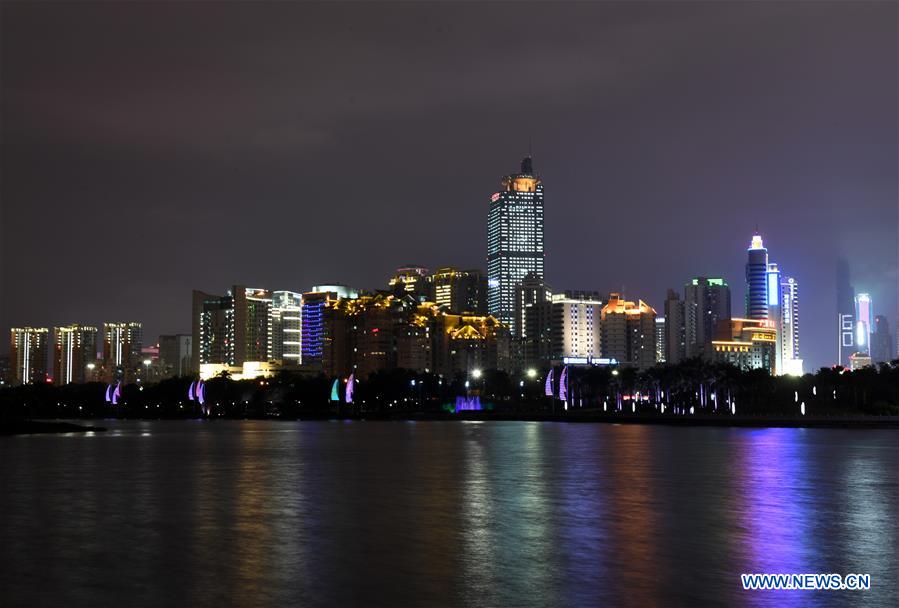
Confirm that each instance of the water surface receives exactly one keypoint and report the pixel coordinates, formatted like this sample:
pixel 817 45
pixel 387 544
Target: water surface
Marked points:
pixel 260 513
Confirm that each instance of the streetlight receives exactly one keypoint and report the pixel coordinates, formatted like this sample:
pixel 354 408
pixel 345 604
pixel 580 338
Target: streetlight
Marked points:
pixel 147 363
pixel 476 373
pixel 532 373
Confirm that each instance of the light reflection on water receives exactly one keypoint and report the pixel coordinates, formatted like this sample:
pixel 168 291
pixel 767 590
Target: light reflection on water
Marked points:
pixel 439 513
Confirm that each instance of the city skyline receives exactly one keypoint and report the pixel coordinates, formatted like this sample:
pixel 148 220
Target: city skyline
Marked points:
pixel 635 151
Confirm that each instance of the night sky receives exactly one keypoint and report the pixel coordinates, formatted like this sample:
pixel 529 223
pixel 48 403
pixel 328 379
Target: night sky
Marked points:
pixel 151 149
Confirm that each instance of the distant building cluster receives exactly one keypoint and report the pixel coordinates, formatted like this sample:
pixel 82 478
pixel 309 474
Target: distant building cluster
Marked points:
pixel 455 321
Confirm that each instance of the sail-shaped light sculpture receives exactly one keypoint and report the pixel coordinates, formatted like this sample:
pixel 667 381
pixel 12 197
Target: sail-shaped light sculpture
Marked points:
pixel 549 384
pixel 109 393
pixel 350 388
pixel 334 395
pixel 190 391
pixel 563 385
pixel 117 393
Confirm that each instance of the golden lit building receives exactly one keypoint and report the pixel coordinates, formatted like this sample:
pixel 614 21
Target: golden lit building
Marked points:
pixel 746 343
pixel 628 332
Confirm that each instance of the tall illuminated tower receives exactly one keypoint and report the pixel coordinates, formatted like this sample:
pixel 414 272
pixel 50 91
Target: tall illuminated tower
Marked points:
pixel 514 239
pixel 864 321
pixel 756 280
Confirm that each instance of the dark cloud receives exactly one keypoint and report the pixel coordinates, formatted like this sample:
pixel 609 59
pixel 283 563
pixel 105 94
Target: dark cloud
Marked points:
pixel 151 148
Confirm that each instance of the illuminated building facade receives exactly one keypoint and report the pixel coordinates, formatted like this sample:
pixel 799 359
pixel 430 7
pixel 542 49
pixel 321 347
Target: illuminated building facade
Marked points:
pixel 845 314
pixel 75 346
pixel 864 322
pixel 514 239
pixel 458 291
pixel 675 329
pixel 706 303
pixel 747 344
pixel 628 332
pixel 28 354
pixel 661 339
pixel 231 329
pixel 575 325
pixel 757 280
pixel 315 315
pixel 788 359
pixel 122 343
pixel 410 280
pixel 285 328
pixel 859 361
pixel 531 291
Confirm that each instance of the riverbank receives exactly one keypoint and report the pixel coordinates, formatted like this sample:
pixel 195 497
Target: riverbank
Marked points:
pixel 30 427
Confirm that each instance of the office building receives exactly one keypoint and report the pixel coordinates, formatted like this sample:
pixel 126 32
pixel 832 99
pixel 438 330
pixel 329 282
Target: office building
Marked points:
pixel 661 339
pixel 706 303
pixel 122 343
pixel 410 281
pixel 28 354
pixel 845 314
pixel 530 291
pixel 789 361
pixel 75 348
pixel 627 332
pixel 285 328
pixel 859 361
pixel 175 355
pixel 514 239
pixel 757 279
pixel 881 341
pixel 575 325
pixel 458 291
pixel 864 322
pixel 746 343
pixel 675 329
pixel 232 329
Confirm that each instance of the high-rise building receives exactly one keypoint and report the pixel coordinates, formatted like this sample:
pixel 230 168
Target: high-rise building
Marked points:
pixel 575 325
pixel 532 290
pixel 233 329
pixel 514 239
pixel 122 343
pixel 410 280
pixel 628 332
pixel 757 280
pixel 864 322
pixel 845 314
pixel 881 341
pixel 788 359
pixel 661 339
pixel 458 291
pixel 313 320
pixel 175 355
pixel 28 354
pixel 75 349
pixel 286 328
pixel 675 329
pixel 706 303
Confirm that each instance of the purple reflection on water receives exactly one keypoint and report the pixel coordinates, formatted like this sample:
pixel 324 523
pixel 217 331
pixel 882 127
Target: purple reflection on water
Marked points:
pixel 772 512
pixel 468 403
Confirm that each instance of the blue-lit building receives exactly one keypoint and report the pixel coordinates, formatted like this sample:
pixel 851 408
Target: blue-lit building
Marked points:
pixel 757 280
pixel 514 239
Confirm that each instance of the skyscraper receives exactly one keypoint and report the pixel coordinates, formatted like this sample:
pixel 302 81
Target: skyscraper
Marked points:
pixel 175 354
pixel 575 325
pixel 233 329
pixel 28 354
pixel 514 239
pixel 790 361
pixel 706 303
pixel 76 347
pixel 881 341
pixel 864 322
pixel 756 280
pixel 845 314
pixel 675 338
